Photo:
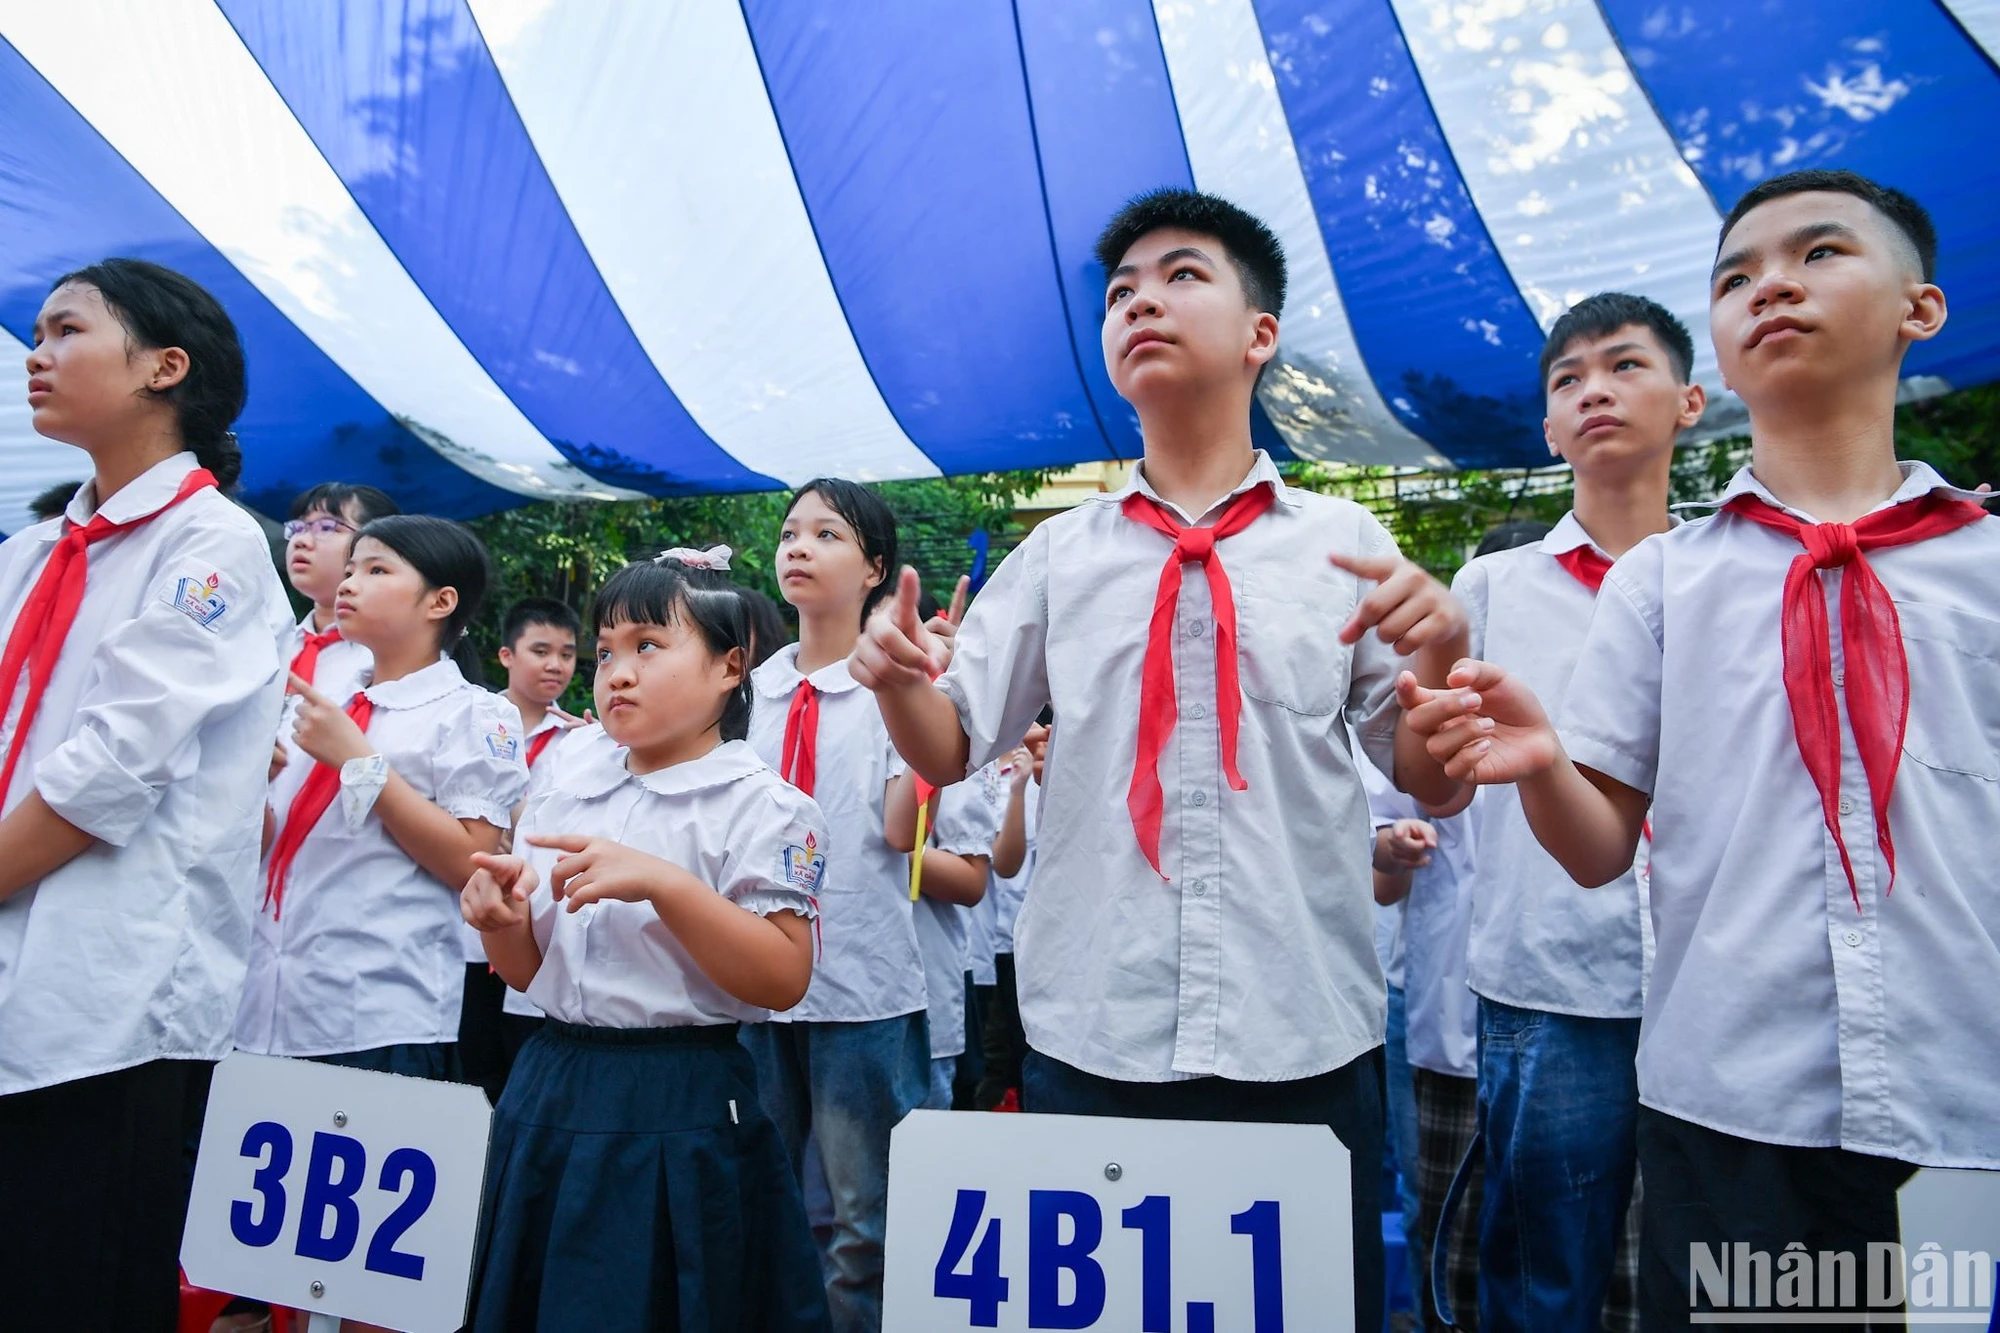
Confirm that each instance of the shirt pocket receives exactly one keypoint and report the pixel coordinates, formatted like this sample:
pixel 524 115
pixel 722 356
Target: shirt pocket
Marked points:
pixel 1288 640
pixel 1954 659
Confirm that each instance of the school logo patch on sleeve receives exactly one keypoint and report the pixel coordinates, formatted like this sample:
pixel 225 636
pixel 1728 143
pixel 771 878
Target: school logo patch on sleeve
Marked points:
pixel 501 743
pixel 805 866
pixel 200 600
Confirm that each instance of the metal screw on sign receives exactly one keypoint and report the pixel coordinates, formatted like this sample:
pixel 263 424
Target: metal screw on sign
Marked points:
pixel 1113 1171
pixel 340 1120
pixel 318 1289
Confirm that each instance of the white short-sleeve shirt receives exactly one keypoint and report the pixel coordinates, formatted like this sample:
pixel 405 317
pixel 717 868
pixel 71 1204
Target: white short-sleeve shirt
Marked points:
pixel 992 925
pixel 967 818
pixel 726 818
pixel 1440 1014
pixel 154 737
pixel 869 966
pixel 340 668
pixel 1538 939
pixel 1778 1011
pixel 1253 959
pixel 365 951
pixel 551 725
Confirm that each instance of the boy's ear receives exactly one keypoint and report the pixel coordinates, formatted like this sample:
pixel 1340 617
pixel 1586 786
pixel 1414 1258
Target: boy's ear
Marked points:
pixel 1549 434
pixel 1263 339
pixel 1694 401
pixel 1926 314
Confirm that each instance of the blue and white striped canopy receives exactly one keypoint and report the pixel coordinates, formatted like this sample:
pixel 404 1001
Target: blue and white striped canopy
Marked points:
pixel 485 251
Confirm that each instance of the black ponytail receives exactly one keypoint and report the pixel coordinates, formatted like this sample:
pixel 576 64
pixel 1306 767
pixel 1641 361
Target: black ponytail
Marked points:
pixel 160 308
pixel 445 555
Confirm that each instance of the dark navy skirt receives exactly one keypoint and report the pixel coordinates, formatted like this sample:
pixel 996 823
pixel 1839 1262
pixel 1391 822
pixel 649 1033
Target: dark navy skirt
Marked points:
pixel 634 1183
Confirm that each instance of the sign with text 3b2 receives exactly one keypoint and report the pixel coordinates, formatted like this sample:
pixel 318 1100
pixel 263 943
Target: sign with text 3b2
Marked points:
pixel 338 1192
pixel 1082 1222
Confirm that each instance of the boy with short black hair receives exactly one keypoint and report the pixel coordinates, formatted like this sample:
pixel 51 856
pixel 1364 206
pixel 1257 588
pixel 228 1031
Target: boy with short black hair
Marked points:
pixel 1559 972
pixel 1802 688
pixel 1198 943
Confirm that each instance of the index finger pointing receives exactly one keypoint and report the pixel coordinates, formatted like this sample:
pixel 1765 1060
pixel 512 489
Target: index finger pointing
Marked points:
pixel 303 688
pixel 562 842
pixel 1372 567
pixel 957 611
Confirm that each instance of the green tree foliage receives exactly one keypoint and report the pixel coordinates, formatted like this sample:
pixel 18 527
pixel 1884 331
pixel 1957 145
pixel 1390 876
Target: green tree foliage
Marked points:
pixel 568 550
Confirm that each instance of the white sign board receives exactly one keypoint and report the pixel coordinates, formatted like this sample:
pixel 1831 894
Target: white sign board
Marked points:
pixel 1085 1222
pixel 339 1192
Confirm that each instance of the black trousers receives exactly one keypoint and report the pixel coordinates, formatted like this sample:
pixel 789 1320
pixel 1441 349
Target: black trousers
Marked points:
pixel 1002 1043
pixel 482 1047
pixel 94 1182
pixel 1348 1100
pixel 1708 1192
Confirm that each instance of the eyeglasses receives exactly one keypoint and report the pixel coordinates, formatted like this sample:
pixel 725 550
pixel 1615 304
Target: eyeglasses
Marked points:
pixel 323 526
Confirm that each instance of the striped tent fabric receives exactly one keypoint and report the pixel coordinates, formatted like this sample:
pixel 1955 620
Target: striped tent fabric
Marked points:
pixel 486 252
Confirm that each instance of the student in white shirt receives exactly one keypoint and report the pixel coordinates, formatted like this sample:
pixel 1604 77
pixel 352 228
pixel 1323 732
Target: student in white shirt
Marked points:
pixel 140 686
pixel 952 884
pixel 1559 973
pixel 318 536
pixel 1801 687
pixel 1013 866
pixel 355 958
pixel 538 652
pixel 662 893
pixel 1196 940
pixel 853 1058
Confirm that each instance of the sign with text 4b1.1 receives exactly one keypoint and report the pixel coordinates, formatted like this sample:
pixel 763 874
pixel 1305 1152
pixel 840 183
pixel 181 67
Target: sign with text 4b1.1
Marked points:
pixel 338 1192
pixel 1081 1222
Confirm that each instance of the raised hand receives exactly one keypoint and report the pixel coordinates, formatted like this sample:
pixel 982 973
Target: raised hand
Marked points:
pixel 323 729
pixel 1485 726
pixel 896 650
pixel 594 869
pixel 1407 608
pixel 496 897
pixel 1037 745
pixel 1405 845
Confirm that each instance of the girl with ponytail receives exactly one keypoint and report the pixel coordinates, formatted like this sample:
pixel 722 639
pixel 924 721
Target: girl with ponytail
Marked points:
pixel 140 686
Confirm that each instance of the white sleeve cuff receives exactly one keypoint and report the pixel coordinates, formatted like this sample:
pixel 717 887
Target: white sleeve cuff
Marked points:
pixel 81 781
pixel 361 782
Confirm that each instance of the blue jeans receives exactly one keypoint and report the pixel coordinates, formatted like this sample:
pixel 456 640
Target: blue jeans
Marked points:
pixel 847 1085
pixel 1347 1100
pixel 1400 1106
pixel 1558 1113
pixel 944 1068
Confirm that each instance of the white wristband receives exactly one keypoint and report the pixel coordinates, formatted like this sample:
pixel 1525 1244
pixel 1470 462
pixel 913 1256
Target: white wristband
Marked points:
pixel 361 781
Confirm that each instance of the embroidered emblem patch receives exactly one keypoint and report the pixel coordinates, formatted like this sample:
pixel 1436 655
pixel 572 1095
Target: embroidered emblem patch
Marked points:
pixel 805 866
pixel 200 600
pixel 502 744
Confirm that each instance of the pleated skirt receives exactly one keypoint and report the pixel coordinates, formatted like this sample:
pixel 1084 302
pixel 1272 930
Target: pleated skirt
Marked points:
pixel 633 1183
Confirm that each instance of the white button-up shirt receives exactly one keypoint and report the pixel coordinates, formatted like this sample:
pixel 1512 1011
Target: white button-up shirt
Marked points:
pixel 1440 1015
pixel 1253 960
pixel 726 818
pixel 1778 1012
pixel 366 952
pixel 1539 941
pixel 153 736
pixel 468 938
pixel 968 816
pixel 992 925
pixel 869 966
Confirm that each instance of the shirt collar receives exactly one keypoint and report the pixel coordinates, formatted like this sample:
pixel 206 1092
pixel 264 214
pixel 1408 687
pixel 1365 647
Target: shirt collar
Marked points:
pixel 595 766
pixel 1919 479
pixel 1568 534
pixel 146 493
pixel 550 721
pixel 779 675
pixel 418 688
pixel 1262 471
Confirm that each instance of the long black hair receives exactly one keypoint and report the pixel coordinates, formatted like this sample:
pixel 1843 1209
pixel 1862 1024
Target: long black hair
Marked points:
pixel 666 592
pixel 445 555
pixel 874 527
pixel 160 308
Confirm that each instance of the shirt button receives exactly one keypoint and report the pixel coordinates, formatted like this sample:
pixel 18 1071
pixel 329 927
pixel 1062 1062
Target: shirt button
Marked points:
pixel 1194 629
pixel 1839 678
pixel 1846 806
pixel 1198 799
pixel 1853 939
pixel 1198 711
pixel 1200 887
